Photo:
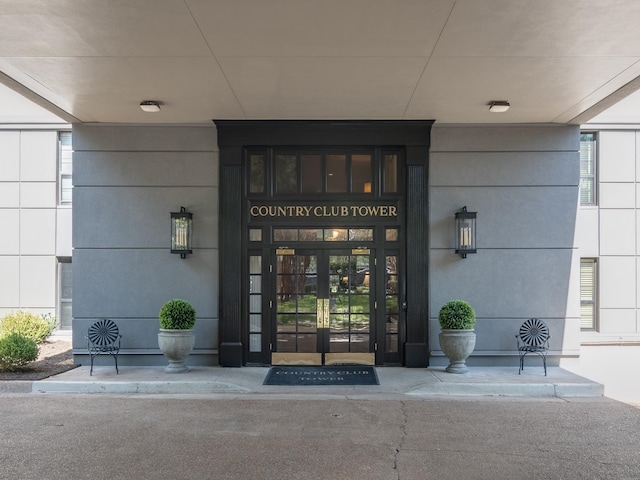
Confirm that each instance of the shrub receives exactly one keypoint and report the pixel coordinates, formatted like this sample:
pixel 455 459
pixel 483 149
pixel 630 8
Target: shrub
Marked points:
pixel 16 350
pixel 457 315
pixel 35 327
pixel 177 314
pixel 51 320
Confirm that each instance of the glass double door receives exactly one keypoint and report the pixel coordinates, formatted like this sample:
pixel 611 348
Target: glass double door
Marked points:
pixel 324 307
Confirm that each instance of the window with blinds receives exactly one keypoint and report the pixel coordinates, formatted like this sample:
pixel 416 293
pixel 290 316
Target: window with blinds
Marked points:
pixel 588 168
pixel 588 294
pixel 65 293
pixel 65 168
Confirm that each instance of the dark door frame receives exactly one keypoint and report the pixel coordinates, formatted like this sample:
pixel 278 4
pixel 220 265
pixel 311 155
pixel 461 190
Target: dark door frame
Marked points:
pixel 323 255
pixel 235 135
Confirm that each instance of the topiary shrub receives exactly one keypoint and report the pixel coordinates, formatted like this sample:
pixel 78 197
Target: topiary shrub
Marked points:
pixel 177 314
pixel 35 327
pixel 457 315
pixel 16 350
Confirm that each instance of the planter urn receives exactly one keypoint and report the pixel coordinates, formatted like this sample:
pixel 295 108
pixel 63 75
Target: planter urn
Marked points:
pixel 176 345
pixel 457 345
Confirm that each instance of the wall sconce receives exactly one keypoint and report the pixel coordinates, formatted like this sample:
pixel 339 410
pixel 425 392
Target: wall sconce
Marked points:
pixel 465 232
pixel 181 232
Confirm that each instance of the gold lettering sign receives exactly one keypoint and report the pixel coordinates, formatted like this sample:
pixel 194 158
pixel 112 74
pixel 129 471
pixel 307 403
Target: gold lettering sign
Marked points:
pixel 321 211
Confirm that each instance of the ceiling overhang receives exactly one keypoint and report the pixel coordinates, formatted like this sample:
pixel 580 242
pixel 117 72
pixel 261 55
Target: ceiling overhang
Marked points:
pixel 95 61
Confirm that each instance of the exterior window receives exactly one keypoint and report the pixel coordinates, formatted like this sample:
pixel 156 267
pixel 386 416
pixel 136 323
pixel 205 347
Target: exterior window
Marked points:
pixel 588 168
pixel 65 293
pixel 319 234
pixel 392 304
pixel 65 167
pixel 255 234
pixel 255 303
pixel 588 294
pixel 391 234
pixel 288 173
pixel 361 173
pixel 390 173
pixel 256 174
pixel 336 173
pixel 311 173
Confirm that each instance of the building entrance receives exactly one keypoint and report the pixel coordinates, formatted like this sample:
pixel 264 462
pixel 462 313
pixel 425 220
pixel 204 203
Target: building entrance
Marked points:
pixel 318 221
pixel 325 307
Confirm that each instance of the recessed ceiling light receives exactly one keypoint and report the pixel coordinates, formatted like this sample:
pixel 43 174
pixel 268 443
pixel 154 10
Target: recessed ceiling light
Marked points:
pixel 150 106
pixel 499 106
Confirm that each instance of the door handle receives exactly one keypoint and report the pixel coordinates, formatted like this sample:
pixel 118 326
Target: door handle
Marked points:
pixel 322 313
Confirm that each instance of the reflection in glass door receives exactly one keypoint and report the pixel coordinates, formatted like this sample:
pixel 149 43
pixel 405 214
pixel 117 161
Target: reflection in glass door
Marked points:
pixel 296 309
pixel 324 307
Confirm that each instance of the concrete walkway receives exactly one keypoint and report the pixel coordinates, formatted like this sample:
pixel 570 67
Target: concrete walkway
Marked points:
pixel 394 382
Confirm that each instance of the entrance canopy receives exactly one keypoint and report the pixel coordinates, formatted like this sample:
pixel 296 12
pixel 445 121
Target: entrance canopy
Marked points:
pixel 96 61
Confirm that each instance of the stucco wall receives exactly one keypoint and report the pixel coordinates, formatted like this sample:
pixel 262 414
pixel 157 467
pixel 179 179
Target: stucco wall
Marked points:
pixel 523 182
pixel 127 179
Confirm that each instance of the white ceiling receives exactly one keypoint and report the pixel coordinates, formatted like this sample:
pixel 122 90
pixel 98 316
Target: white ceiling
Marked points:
pixel 96 60
pixel 16 109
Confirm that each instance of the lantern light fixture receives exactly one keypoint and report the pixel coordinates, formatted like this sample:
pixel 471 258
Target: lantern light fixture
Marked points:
pixel 465 232
pixel 181 232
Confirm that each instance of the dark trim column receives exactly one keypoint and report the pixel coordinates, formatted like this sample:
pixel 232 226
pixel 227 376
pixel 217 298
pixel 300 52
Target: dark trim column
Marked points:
pixel 230 237
pixel 417 347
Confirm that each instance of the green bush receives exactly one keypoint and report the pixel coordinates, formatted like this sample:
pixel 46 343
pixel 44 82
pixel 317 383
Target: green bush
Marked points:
pixel 35 327
pixel 457 315
pixel 16 350
pixel 177 314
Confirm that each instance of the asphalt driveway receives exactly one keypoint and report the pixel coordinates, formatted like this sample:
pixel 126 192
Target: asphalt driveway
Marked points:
pixel 71 436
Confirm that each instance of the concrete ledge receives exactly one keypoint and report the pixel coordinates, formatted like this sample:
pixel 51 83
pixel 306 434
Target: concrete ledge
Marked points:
pixel 15 386
pixel 394 381
pixel 579 390
pixel 185 387
pixel 510 389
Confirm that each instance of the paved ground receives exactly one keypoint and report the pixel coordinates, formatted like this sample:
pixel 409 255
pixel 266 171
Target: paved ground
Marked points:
pixel 399 431
pixel 104 436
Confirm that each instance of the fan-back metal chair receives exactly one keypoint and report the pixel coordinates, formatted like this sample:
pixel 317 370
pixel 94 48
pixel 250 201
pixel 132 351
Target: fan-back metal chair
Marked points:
pixel 533 338
pixel 103 337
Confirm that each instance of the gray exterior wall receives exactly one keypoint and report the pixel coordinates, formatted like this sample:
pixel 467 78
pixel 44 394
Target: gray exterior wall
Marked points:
pixel 34 230
pixel 523 182
pixel 127 179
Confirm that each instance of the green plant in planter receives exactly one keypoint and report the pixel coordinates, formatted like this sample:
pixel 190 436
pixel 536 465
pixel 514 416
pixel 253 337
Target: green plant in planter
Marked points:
pixel 177 314
pixel 457 315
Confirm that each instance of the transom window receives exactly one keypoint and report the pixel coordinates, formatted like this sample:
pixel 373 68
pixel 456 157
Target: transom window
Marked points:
pixel 282 173
pixel 323 234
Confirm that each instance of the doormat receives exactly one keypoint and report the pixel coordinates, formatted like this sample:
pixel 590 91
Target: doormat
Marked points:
pixel 322 376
